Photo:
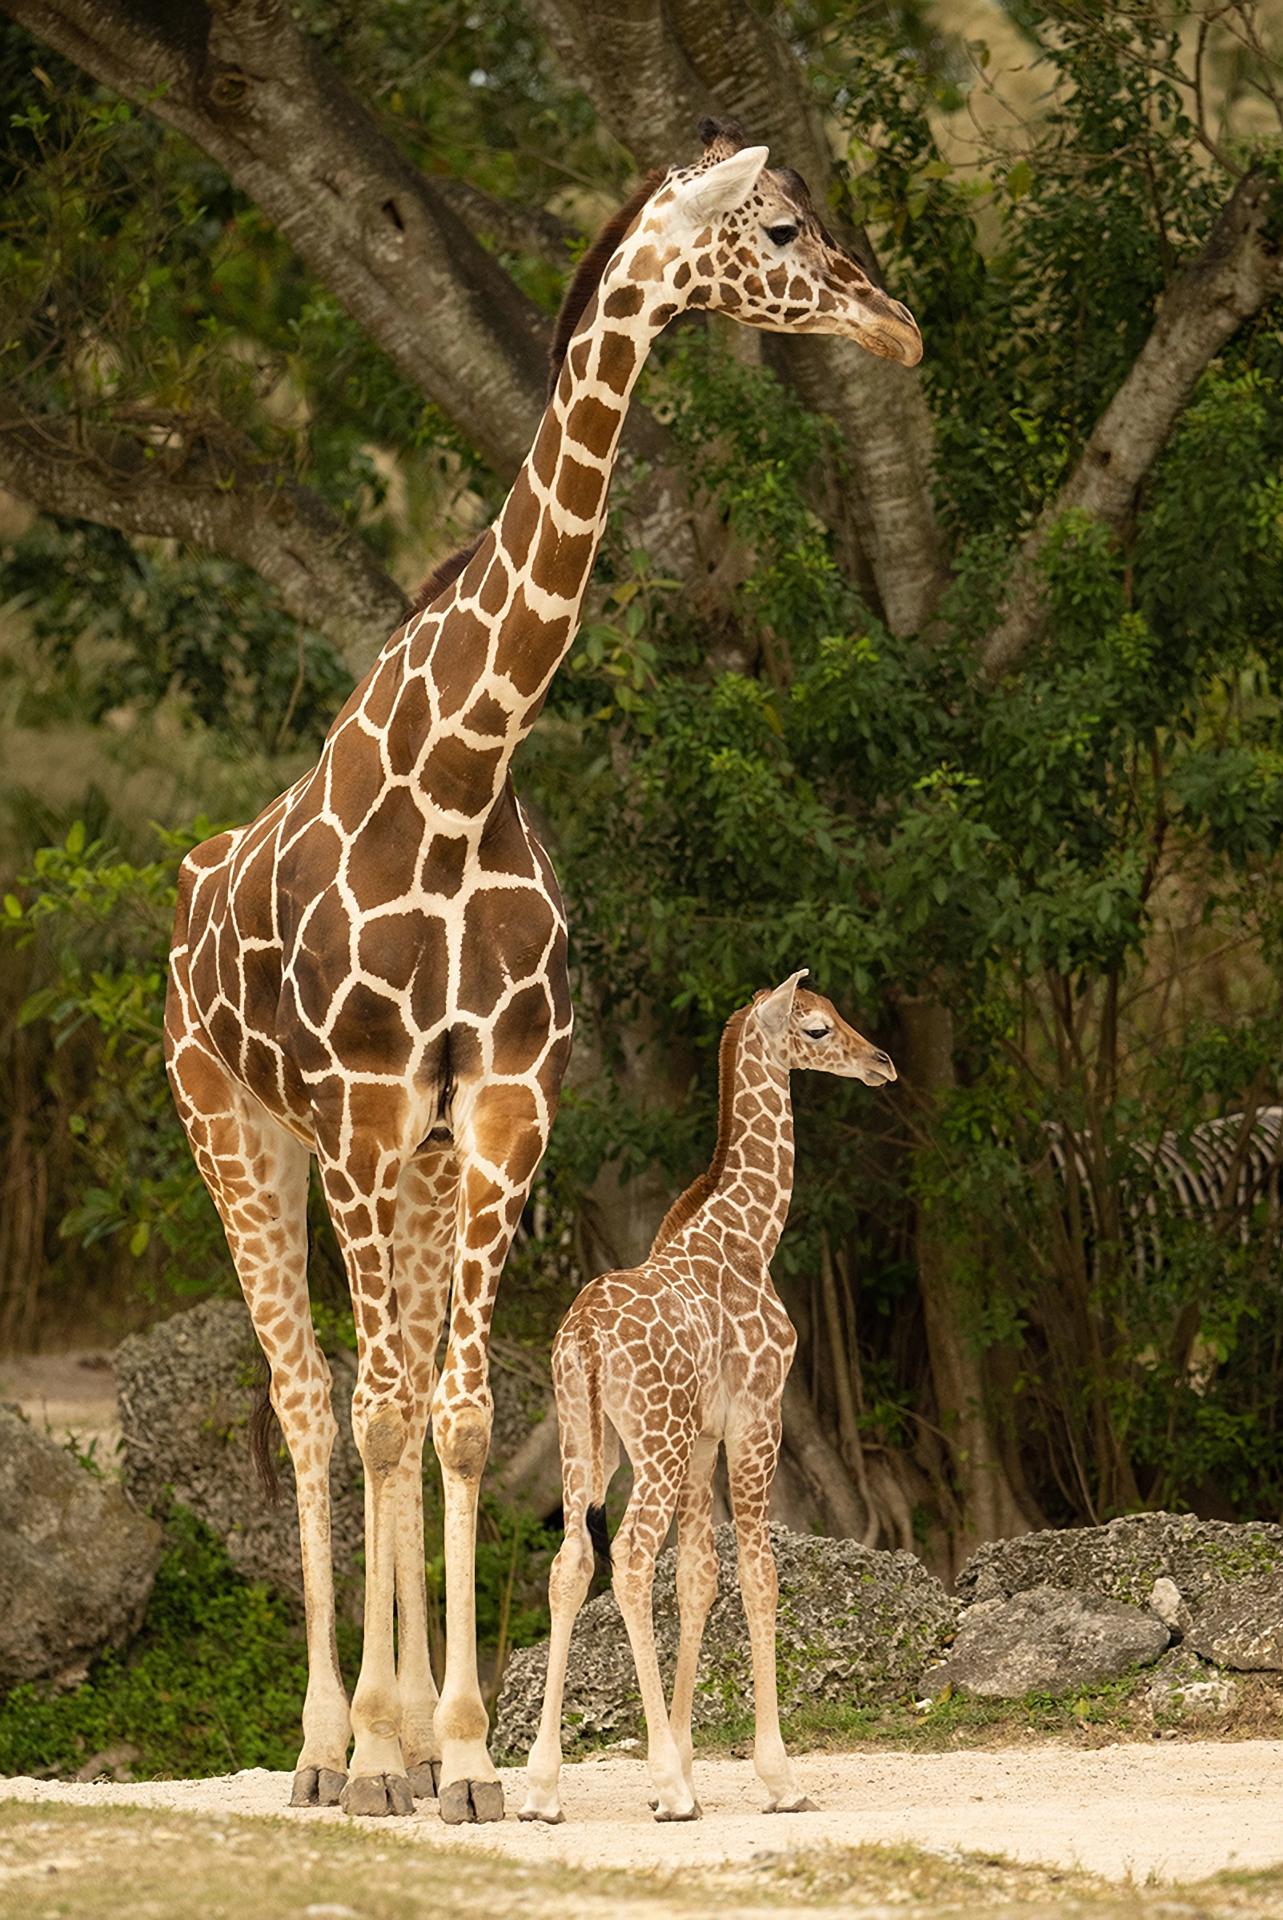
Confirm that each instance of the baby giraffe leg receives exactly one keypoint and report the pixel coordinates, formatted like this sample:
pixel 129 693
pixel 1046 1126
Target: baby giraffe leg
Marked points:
pixel 579 1424
pixel 640 1536
pixel 751 1455
pixel 696 1590
pixel 568 1583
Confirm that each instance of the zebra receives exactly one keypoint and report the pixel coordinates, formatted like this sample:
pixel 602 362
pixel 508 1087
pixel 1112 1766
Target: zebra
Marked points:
pixel 1227 1171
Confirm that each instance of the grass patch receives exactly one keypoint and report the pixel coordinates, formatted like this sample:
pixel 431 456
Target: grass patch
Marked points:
pixel 117 1863
pixel 1116 1710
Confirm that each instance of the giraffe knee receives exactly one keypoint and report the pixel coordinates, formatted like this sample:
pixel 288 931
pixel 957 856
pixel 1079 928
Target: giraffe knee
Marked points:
pixel 461 1437
pixel 570 1575
pixel 382 1440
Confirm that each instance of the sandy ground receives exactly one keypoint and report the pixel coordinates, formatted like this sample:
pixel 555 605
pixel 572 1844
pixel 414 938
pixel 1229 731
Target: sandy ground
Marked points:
pixel 72 1395
pixel 1167 1811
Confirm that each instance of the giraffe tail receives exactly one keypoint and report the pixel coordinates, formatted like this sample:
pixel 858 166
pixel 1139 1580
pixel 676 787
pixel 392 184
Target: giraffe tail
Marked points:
pixel 580 1412
pixel 595 1517
pixel 262 1433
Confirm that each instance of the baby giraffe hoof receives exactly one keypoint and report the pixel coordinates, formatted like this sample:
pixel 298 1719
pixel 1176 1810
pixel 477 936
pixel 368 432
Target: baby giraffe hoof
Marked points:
pixel 374 1794
pixel 317 1787
pixel 800 1805
pixel 696 1812
pixel 553 1819
pixel 424 1778
pixel 465 1800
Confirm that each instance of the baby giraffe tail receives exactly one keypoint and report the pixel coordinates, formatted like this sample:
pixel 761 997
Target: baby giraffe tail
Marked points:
pixel 577 1377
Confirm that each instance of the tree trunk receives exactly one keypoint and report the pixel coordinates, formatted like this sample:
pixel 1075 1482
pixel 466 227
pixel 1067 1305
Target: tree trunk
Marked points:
pixel 989 1507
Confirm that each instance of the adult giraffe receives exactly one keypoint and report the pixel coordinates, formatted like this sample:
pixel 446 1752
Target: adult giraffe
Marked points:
pixel 374 972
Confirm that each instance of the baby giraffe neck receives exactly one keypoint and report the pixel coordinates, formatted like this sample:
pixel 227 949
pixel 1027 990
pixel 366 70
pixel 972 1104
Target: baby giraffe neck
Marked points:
pixel 755 1181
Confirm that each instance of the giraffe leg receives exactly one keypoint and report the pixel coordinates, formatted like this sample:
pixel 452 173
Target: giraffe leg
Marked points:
pixel 696 1589
pixel 635 1546
pixel 569 1576
pixel 750 1456
pixel 361 1161
pixel 257 1174
pixel 427 1205
pixel 501 1134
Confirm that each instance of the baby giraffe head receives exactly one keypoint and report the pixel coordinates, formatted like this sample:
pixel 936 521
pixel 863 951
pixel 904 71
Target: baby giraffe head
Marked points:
pixel 736 236
pixel 805 1030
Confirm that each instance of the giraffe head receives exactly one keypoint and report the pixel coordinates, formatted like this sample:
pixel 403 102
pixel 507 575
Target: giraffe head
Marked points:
pixel 806 1030
pixel 736 236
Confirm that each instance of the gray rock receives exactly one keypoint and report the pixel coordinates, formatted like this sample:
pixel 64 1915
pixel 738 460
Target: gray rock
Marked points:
pixel 1048 1640
pixel 1124 1559
pixel 1165 1600
pixel 186 1389
pixel 856 1626
pixel 1242 1625
pixel 1182 1687
pixel 77 1560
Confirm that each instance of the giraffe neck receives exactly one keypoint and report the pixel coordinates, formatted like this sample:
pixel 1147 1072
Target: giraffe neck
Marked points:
pixel 755 1184
pixel 515 610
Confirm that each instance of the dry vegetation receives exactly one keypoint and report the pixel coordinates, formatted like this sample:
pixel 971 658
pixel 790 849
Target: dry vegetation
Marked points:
pixel 125 1864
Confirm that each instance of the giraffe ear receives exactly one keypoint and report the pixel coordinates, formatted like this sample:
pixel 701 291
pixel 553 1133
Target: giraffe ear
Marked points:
pixel 776 1010
pixel 722 187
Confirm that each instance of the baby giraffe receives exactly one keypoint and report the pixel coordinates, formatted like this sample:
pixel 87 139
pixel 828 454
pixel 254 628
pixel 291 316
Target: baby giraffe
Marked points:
pixel 686 1352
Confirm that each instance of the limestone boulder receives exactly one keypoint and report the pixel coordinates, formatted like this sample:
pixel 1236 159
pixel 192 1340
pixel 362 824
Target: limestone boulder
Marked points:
pixel 856 1627
pixel 1195 1559
pixel 1047 1640
pixel 77 1559
pixel 1181 1689
pixel 1241 1626
pixel 187 1387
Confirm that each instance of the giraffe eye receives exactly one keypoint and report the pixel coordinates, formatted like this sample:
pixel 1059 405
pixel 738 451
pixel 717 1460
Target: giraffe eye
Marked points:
pixel 781 235
pixel 816 1033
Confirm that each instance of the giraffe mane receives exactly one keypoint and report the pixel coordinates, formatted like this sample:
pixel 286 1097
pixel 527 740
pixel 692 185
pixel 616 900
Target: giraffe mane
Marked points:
pixel 592 265
pixel 446 572
pixel 688 1204
pixel 586 280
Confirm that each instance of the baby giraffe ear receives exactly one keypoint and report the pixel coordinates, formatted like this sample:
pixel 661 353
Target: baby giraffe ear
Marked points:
pixel 776 1010
pixel 722 187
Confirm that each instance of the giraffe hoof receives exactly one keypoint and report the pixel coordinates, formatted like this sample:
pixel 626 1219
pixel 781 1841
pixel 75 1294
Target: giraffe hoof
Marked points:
pixel 794 1806
pixel 425 1778
pixel 465 1800
pixel 317 1787
pixel 696 1812
pixel 374 1794
pixel 556 1819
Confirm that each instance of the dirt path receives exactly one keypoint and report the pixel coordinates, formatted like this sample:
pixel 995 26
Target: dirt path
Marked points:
pixel 71 1394
pixel 1171 1811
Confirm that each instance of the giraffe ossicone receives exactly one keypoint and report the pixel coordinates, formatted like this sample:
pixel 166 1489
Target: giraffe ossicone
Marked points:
pixel 670 1361
pixel 373 973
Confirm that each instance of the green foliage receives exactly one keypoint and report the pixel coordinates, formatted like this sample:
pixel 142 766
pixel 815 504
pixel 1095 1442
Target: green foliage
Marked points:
pixel 104 927
pixel 214 1681
pixel 119 627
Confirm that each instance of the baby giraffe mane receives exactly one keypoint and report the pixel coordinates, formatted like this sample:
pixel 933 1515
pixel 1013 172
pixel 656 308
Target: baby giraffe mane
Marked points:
pixel 583 285
pixel 688 1204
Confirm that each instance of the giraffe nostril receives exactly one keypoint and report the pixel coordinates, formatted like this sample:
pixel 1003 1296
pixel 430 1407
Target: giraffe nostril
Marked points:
pixel 883 1059
pixel 907 316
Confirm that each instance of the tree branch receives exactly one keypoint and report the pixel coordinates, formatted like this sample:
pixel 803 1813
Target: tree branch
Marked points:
pixel 521 229
pixel 162 474
pixel 240 79
pixel 1238 270
pixel 651 68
